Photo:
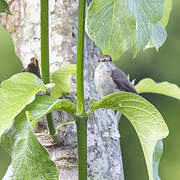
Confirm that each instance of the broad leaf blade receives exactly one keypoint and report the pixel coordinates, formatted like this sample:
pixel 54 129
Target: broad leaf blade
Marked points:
pixel 118 26
pixel 159 33
pixel 29 158
pixel 111 26
pixel 4 7
pixel 145 118
pixel 62 80
pixel 147 14
pixel 148 85
pixel 15 94
pixel 43 105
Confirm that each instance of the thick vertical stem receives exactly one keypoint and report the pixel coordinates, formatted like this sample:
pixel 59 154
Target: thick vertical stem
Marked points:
pixel 82 147
pixel 45 41
pixel 80 59
pixel 45 57
pixel 51 126
pixel 81 121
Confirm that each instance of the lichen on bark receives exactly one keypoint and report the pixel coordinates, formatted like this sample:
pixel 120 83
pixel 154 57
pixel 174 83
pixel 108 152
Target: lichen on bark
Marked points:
pixel 104 154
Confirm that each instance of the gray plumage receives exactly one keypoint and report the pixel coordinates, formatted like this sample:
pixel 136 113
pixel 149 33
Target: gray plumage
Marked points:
pixel 109 79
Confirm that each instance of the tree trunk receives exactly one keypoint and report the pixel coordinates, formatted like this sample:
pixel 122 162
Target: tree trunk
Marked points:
pixel 104 154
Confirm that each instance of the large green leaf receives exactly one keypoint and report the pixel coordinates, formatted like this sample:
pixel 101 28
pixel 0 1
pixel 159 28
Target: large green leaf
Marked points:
pixel 145 118
pixel 111 26
pixel 147 13
pixel 15 94
pixel 148 85
pixel 29 159
pixel 62 80
pixel 4 7
pixel 43 105
pixel 117 26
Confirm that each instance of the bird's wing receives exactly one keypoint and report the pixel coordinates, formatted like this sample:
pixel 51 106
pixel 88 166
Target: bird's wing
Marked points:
pixel 122 81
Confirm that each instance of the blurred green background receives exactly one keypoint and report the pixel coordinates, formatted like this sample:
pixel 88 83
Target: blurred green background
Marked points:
pixel 161 66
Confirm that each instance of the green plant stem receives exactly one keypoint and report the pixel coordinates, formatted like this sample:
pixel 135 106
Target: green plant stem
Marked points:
pixel 81 124
pixel 80 59
pixel 51 126
pixel 81 120
pixel 45 41
pixel 45 57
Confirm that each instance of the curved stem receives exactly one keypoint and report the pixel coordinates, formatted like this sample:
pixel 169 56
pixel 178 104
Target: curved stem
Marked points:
pixel 66 123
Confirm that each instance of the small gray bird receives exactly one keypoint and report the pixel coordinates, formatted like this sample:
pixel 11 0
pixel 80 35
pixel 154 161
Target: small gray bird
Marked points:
pixel 109 79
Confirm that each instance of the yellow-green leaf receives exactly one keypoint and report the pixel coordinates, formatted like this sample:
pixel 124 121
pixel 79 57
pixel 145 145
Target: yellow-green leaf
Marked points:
pixel 15 94
pixel 144 117
pixel 43 105
pixel 62 80
pixel 29 159
pixel 167 11
pixel 148 85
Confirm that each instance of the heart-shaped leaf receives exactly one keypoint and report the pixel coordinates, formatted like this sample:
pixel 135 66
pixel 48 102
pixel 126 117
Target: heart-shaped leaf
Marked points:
pixel 144 117
pixel 117 26
pixel 148 85
pixel 29 159
pixel 62 80
pixel 111 26
pixel 15 94
pixel 4 7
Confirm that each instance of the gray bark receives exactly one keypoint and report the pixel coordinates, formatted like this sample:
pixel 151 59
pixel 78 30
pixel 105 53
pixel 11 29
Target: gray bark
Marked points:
pixel 104 154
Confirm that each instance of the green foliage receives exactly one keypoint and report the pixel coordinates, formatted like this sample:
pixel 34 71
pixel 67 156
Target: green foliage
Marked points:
pixel 4 7
pixel 118 26
pixel 17 98
pixel 148 85
pixel 115 26
pixel 111 26
pixel 15 94
pixel 167 11
pixel 62 80
pixel 145 118
pixel 48 104
pixel 29 158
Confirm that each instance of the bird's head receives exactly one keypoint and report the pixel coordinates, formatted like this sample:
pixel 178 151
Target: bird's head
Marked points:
pixel 104 58
pixel 34 61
